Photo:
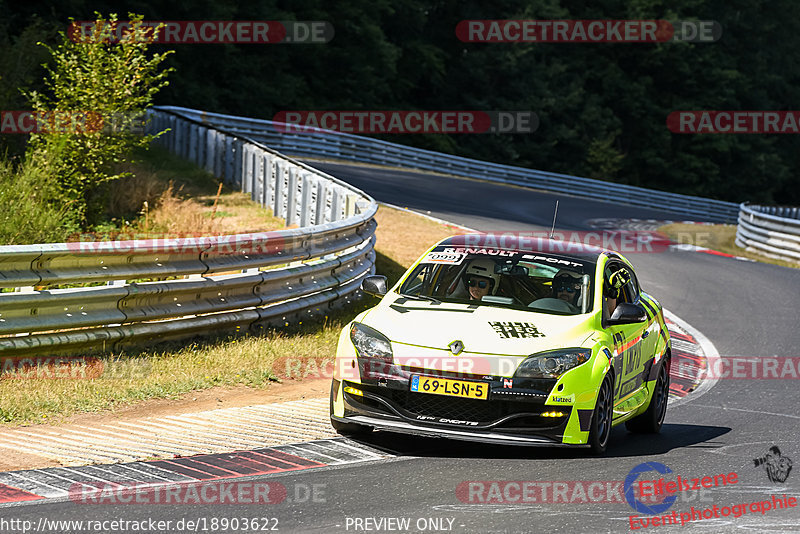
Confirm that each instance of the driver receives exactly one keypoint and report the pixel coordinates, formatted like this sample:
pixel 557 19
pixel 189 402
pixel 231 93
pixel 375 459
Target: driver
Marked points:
pixel 480 278
pixel 567 287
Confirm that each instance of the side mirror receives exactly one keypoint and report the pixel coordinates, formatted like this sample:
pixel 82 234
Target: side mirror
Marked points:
pixel 376 285
pixel 626 313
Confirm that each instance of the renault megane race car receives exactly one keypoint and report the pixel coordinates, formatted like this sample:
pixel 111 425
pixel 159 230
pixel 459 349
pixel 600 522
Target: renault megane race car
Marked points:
pixel 508 341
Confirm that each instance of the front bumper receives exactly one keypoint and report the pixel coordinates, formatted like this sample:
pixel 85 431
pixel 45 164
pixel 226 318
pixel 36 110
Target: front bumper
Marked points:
pixel 510 416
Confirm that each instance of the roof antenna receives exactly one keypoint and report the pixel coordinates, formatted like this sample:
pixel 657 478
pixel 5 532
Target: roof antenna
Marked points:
pixel 553 229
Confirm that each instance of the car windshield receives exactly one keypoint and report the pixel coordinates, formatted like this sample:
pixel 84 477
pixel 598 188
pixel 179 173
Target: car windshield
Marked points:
pixel 512 279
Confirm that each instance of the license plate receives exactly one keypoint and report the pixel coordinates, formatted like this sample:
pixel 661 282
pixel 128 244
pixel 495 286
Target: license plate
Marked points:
pixel 450 387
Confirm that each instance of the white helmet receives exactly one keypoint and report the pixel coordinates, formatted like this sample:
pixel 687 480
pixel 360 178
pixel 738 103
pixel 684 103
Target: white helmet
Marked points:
pixel 483 267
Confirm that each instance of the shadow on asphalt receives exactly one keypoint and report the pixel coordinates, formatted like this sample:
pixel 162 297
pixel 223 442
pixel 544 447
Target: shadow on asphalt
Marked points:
pixel 623 444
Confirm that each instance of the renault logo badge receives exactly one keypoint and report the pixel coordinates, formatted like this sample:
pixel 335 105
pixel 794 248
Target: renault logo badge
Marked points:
pixel 456 347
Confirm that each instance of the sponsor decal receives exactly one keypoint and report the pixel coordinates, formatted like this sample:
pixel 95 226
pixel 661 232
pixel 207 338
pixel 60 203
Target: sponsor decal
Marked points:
pixel 508 382
pixel 563 398
pixel 446 258
pixel 515 329
pixel 445 420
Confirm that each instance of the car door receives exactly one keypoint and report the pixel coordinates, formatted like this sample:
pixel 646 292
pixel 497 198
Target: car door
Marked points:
pixel 629 342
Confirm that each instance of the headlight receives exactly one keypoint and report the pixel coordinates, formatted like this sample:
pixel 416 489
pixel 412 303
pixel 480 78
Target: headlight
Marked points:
pixel 552 364
pixel 370 343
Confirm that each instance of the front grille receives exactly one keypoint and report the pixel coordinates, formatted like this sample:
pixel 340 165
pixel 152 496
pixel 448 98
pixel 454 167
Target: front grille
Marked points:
pixel 450 407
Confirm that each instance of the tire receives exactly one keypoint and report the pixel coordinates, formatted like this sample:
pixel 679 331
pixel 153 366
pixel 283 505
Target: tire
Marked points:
pixel 651 420
pixel 600 429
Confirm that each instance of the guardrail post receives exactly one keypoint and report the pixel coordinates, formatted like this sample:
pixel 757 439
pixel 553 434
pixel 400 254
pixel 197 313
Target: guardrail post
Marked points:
pixel 211 153
pixel 247 169
pixel 269 181
pixel 238 161
pixel 322 200
pixel 336 205
pixel 192 144
pixel 305 202
pixel 230 157
pixel 291 197
pixel 278 201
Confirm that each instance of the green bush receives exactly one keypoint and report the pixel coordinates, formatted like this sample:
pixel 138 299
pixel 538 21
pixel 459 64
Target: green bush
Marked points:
pixel 111 80
pixel 33 212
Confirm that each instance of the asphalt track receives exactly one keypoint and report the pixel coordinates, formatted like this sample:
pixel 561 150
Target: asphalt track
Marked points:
pixel 744 309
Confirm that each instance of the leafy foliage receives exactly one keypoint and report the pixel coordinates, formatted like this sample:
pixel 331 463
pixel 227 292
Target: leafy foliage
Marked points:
pixel 93 77
pixel 602 107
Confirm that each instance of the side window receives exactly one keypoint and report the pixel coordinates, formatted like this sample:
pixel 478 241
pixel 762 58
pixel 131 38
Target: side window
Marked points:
pixel 416 280
pixel 631 288
pixel 630 291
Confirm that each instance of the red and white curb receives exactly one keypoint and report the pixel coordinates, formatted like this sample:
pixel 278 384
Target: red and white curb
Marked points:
pixel 61 483
pixel 652 225
pixel 206 432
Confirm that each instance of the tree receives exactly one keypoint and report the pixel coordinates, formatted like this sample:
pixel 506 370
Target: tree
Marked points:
pixel 99 86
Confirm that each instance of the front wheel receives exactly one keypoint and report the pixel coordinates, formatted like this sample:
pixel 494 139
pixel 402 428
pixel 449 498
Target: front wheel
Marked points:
pixel 651 420
pixel 600 430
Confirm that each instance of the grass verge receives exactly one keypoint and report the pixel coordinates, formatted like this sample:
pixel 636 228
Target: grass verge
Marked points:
pixel 719 237
pixel 173 370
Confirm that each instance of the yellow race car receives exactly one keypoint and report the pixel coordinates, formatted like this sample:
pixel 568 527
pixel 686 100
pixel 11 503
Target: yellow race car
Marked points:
pixel 508 340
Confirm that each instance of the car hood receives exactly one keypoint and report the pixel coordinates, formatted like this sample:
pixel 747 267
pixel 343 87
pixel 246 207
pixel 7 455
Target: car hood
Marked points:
pixel 482 329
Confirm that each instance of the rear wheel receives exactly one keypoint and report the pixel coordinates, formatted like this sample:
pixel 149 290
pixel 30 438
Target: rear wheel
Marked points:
pixel 651 420
pixel 600 429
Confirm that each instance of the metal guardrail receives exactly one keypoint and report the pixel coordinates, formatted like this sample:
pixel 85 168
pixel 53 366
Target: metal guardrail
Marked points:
pixel 163 289
pixel 772 231
pixel 342 146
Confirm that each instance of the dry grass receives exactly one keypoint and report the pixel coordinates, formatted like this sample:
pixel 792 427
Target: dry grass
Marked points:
pixel 719 237
pixel 167 195
pixel 175 370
